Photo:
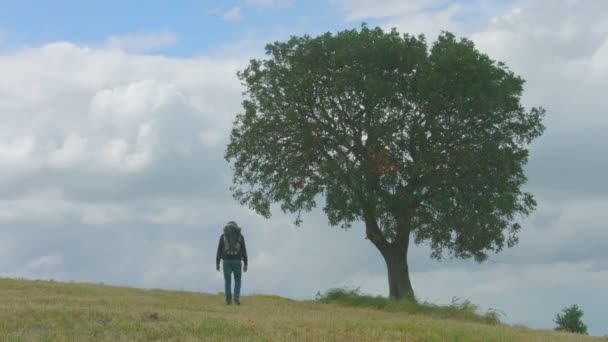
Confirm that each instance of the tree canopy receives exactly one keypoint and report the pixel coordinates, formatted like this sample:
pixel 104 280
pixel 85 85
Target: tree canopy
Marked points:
pixel 413 140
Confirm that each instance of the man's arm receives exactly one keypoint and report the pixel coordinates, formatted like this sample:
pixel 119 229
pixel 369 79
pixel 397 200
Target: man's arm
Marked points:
pixel 220 248
pixel 244 251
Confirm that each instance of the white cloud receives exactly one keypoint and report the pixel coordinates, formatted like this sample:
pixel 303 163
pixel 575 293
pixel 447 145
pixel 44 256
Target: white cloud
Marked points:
pixel 118 154
pixel 142 42
pixel 45 262
pixel 104 214
pixel 428 23
pixel 135 101
pixel 267 4
pixel 52 206
pixel 18 151
pixel 361 9
pixel 45 266
pixel 233 14
pixel 215 11
pixel 210 138
pixel 264 261
pixel 73 108
pixel 72 151
pixel 43 205
pixel 599 63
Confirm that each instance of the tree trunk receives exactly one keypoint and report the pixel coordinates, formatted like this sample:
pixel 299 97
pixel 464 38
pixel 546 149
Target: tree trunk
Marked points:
pixel 395 256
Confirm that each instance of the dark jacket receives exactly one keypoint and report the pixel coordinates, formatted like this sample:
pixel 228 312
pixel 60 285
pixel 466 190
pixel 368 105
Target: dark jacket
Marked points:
pixel 220 251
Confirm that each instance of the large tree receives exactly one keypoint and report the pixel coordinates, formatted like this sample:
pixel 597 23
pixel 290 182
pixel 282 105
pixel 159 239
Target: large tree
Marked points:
pixel 418 143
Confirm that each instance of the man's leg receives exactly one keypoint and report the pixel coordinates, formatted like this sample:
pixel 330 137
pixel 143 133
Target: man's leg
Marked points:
pixel 227 281
pixel 237 281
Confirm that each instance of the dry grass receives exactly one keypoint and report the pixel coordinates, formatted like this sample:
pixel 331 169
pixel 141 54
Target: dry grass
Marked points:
pixel 51 311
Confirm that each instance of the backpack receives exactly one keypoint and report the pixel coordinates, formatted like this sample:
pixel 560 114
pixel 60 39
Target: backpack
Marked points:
pixel 232 241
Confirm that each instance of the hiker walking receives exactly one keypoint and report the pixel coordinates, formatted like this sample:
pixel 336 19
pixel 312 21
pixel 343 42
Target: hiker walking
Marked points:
pixel 231 249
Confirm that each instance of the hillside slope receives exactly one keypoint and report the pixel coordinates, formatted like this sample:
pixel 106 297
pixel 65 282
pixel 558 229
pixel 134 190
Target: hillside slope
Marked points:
pixel 52 311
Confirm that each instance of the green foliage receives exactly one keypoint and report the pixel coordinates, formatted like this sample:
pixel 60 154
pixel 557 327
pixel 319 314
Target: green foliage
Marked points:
pixel 457 309
pixel 428 141
pixel 570 320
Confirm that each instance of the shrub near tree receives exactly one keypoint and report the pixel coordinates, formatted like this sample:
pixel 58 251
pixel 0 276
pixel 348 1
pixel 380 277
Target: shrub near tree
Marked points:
pixel 421 144
pixel 571 320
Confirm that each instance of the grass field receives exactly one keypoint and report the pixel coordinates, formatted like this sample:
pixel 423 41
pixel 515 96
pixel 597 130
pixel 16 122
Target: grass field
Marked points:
pixel 53 311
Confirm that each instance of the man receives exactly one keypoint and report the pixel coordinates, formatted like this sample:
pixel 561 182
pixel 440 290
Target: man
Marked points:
pixel 232 250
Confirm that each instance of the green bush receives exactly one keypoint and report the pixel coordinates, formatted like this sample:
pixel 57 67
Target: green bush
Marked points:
pixel 571 320
pixel 457 309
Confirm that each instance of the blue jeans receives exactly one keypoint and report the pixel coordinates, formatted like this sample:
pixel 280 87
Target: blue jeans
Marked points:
pixel 232 266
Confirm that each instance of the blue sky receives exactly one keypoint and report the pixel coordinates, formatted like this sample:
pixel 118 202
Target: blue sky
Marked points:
pixel 199 25
pixel 114 118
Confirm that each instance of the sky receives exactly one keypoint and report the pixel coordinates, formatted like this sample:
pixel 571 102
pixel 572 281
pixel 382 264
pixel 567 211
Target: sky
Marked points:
pixel 114 118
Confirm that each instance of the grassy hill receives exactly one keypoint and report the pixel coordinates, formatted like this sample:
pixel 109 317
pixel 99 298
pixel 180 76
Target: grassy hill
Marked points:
pixel 52 311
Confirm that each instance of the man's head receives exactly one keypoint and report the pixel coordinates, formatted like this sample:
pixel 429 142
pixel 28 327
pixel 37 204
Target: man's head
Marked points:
pixel 232 224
